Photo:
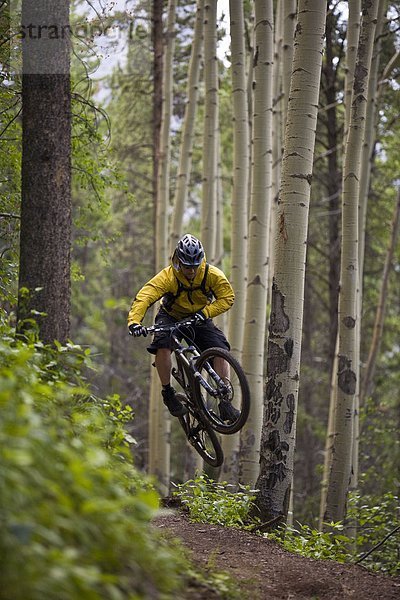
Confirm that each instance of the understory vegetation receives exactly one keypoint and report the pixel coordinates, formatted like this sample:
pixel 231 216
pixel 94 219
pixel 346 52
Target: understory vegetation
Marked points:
pixel 376 545
pixel 75 512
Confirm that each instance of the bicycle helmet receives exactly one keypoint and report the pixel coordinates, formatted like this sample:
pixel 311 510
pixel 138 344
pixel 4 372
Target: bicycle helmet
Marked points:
pixel 189 251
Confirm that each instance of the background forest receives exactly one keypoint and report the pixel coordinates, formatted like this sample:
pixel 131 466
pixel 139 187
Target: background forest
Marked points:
pixel 128 133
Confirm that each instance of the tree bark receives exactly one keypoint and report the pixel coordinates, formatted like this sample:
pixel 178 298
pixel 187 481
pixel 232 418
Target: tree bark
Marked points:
pixel 353 31
pixel 158 52
pixel 210 160
pixel 239 212
pixel 45 238
pixel 380 310
pixel 258 245
pixel 285 331
pixel 349 277
pixel 185 160
pixel 159 422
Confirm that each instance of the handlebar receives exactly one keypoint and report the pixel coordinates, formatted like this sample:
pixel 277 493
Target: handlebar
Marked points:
pixel 171 326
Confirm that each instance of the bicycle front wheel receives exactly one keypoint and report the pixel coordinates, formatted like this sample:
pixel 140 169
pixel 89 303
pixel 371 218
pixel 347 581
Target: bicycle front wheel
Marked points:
pixel 222 391
pixel 201 436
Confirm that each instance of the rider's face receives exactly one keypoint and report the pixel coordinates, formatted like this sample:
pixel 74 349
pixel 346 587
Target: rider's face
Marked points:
pixel 189 272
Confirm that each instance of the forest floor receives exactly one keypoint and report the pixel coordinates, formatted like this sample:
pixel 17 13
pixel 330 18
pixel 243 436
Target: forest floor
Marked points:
pixel 263 570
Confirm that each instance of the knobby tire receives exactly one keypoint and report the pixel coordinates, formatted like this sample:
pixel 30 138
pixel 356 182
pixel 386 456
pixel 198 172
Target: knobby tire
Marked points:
pixel 239 396
pixel 201 435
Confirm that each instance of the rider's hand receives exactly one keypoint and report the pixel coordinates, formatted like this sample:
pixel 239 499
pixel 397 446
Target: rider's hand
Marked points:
pixel 199 317
pixel 136 330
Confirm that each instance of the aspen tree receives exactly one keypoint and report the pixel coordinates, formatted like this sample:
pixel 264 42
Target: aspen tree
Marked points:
pixel 367 150
pixel 277 133
pixel 289 13
pixel 209 188
pixel 239 210
pixel 285 23
pixel 193 461
pixel 256 300
pixel 370 133
pixel 250 71
pixel 285 331
pixel 380 309
pixel 352 37
pixel 185 160
pixel 353 31
pixel 159 421
pixel 289 26
pixel 346 381
pixel 366 160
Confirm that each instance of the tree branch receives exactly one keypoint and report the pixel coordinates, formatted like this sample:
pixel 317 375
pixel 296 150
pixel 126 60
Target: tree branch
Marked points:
pixel 9 216
pixel 378 545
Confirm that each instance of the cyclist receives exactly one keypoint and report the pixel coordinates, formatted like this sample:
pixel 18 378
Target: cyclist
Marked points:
pixel 189 286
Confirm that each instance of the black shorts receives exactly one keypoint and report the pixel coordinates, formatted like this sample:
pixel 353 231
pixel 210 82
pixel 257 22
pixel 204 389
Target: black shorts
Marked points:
pixel 203 336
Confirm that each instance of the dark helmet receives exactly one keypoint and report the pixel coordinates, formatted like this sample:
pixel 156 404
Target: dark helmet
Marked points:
pixel 189 251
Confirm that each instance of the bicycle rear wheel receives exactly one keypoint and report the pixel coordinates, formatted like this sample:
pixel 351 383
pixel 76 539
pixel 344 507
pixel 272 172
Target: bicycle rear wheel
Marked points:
pixel 201 436
pixel 226 402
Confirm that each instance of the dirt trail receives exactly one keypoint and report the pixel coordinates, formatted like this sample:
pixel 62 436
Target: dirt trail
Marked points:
pixel 264 571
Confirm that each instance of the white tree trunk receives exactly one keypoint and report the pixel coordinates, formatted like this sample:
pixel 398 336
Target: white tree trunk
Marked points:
pixel 256 302
pixel 277 134
pixel 240 190
pixel 185 160
pixel 284 344
pixel 209 191
pixel 349 276
pixel 289 17
pixel 353 34
pixel 353 31
pixel 380 309
pixel 159 422
pixel 366 163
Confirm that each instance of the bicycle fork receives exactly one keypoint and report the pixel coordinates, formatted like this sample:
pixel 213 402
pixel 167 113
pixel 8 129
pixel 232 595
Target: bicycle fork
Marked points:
pixel 221 386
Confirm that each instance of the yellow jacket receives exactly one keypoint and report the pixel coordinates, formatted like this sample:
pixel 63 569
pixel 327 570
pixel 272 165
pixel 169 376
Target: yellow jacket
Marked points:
pixel 190 299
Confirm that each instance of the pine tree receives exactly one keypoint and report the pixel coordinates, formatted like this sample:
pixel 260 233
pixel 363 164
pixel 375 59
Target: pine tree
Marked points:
pixel 45 240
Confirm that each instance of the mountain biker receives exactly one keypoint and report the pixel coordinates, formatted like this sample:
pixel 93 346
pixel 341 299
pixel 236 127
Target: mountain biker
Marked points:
pixel 189 286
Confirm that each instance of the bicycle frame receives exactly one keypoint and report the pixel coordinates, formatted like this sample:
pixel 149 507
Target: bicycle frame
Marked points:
pixel 185 369
pixel 208 396
pixel 186 373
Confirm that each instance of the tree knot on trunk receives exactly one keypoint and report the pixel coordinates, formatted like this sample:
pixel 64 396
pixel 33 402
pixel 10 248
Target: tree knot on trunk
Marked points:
pixel 346 377
pixel 349 322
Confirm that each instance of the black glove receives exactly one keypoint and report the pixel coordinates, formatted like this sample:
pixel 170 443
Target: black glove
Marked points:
pixel 136 330
pixel 199 317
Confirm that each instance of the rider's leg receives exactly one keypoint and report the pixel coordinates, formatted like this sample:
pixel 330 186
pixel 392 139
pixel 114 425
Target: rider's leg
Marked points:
pixel 163 364
pixel 226 410
pixel 221 367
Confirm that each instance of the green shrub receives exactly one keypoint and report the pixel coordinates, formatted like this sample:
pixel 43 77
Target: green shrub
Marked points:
pixel 74 513
pixel 378 520
pixel 212 502
pixel 305 540
pixel 376 544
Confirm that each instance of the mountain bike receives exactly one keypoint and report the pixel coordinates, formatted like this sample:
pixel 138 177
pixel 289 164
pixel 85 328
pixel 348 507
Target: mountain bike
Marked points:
pixel 204 393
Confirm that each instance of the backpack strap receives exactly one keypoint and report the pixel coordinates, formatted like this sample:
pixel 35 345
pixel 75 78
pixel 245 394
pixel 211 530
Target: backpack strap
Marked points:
pixel 204 280
pixel 169 299
pixel 209 295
